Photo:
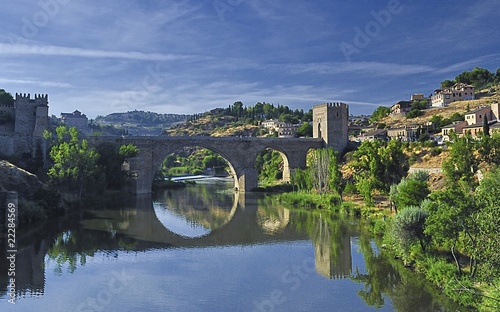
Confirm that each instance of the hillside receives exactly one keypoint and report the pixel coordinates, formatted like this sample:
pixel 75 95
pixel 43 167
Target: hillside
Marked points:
pixel 485 98
pixel 215 125
pixel 140 122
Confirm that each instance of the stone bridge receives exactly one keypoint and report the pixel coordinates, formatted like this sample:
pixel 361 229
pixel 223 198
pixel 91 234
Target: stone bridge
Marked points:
pixel 240 153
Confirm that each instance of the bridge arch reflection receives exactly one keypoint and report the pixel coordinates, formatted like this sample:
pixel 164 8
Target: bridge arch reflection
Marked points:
pixel 194 218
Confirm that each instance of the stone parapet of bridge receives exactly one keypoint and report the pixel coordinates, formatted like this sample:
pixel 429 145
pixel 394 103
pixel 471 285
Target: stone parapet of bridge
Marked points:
pixel 240 152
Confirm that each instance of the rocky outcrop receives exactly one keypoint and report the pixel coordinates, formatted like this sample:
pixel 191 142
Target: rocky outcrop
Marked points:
pixel 13 178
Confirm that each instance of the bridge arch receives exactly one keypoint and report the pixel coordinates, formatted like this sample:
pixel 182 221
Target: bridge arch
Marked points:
pixel 164 150
pixel 284 156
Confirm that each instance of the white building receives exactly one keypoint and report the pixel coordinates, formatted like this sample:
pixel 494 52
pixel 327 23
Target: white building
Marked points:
pixel 457 92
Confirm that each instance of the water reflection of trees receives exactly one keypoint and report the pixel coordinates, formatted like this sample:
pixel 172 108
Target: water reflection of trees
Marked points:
pixel 384 276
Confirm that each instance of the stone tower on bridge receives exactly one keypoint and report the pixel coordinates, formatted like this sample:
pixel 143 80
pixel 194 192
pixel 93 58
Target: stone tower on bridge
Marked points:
pixel 330 123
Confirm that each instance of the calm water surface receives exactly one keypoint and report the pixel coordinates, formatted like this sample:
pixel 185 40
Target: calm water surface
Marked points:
pixel 204 248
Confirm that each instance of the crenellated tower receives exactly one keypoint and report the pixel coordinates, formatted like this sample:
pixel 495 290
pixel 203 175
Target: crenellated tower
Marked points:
pixel 32 115
pixel 330 122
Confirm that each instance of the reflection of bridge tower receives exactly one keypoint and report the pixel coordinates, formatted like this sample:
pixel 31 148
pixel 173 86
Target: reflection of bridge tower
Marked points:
pixel 333 257
pixel 30 268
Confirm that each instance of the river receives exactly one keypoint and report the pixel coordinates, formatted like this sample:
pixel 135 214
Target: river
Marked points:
pixel 205 248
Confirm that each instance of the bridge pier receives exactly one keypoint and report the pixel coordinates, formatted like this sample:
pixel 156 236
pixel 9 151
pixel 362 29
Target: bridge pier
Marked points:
pixel 248 179
pixel 141 179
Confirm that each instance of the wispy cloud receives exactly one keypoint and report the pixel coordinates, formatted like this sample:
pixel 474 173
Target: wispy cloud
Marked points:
pixel 373 68
pixel 51 50
pixel 467 65
pixel 36 82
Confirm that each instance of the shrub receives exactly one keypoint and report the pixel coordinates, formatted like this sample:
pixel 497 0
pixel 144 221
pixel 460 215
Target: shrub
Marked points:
pixel 350 188
pixel 379 227
pixel 409 228
pixel 436 151
pixel 414 113
pixel 30 211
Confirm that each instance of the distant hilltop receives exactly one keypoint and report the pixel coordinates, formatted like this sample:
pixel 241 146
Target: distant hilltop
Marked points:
pixel 138 122
pixel 141 118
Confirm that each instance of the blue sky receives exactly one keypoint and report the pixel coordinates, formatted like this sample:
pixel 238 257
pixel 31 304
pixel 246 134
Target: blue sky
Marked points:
pixel 187 56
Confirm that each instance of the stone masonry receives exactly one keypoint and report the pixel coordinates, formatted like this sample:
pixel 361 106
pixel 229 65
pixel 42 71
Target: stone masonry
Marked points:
pixel 330 123
pixel 26 132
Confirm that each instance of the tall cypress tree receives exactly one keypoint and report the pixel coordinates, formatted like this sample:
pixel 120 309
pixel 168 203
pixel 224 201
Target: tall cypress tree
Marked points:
pixel 486 126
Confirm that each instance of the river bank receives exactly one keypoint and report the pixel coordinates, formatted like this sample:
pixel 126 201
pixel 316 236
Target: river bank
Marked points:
pixel 436 266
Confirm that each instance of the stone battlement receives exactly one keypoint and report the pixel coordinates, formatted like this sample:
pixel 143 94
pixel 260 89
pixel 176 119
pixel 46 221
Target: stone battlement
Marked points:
pixel 333 104
pixel 25 99
pixel 28 96
pixel 330 123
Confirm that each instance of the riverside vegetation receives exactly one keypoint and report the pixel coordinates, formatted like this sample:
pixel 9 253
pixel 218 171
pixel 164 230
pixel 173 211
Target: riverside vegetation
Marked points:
pixel 76 170
pixel 450 235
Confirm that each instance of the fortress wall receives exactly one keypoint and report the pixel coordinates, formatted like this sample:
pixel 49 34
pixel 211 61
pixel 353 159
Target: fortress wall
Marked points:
pixel 15 144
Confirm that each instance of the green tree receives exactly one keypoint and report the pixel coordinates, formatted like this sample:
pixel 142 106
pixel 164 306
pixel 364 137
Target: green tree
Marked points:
pixel 305 130
pixel 395 164
pixel 486 126
pixel 414 113
pixel 75 162
pixel 447 83
pixel 301 178
pixel 411 191
pixel 325 169
pixel 479 77
pixel 422 104
pixel 6 98
pixel 379 113
pixel 449 223
pixel 489 149
pixel 336 182
pixel 269 166
pixel 378 165
pixel 488 226
pixel 111 158
pixel 462 164
pixel 457 117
